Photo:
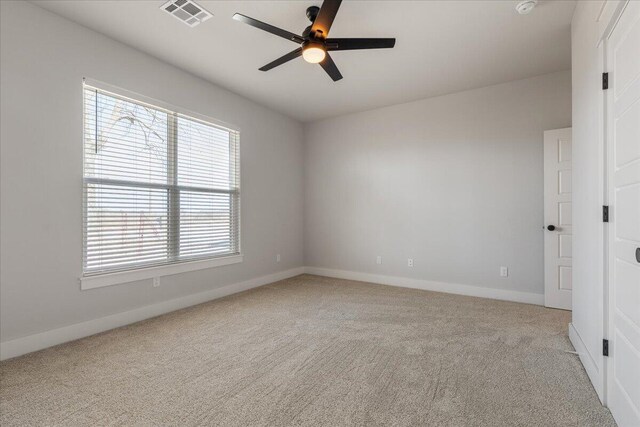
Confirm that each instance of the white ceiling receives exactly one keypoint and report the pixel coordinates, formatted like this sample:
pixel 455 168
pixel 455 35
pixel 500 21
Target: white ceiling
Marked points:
pixel 442 47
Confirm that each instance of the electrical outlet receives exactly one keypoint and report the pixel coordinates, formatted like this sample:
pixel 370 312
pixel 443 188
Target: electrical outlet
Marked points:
pixel 504 271
pixel 410 262
pixel 378 260
pixel 278 258
pixel 156 282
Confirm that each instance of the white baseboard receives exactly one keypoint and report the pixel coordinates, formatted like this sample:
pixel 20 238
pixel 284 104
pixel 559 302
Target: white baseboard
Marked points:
pixel 595 375
pixel 429 285
pixel 28 344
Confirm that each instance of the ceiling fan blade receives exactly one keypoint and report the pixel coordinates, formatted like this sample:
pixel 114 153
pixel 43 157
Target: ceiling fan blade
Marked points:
pixel 331 68
pixel 268 28
pixel 354 44
pixel 325 17
pixel 285 58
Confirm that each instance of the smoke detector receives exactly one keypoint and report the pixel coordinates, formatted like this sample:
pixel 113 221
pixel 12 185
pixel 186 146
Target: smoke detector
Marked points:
pixel 186 11
pixel 526 6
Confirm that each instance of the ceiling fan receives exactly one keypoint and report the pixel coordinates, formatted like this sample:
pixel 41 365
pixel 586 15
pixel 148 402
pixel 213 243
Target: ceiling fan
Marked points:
pixel 314 42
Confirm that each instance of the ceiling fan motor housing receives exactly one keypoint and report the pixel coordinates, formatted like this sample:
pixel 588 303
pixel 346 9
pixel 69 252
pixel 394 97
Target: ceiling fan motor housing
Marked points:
pixel 312 14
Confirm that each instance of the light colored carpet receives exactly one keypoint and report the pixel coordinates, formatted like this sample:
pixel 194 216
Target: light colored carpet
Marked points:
pixel 314 351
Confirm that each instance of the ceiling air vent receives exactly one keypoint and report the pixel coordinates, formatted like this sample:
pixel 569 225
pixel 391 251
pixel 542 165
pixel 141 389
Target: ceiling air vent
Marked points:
pixel 186 11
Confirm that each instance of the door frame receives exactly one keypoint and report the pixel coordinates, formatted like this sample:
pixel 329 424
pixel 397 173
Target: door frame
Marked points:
pixel 608 16
pixel 609 171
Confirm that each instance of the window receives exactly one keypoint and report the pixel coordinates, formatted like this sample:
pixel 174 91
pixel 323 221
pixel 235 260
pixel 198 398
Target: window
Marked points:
pixel 160 188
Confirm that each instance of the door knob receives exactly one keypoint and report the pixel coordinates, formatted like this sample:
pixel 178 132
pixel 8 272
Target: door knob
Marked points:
pixel 551 227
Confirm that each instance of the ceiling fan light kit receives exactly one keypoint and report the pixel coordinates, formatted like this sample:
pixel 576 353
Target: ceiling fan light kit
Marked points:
pixel 313 53
pixel 314 42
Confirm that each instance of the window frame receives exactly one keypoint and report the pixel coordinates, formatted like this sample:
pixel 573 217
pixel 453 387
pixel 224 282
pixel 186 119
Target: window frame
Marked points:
pixel 173 265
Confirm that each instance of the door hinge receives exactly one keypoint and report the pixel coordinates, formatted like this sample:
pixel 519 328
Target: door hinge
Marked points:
pixel 605 347
pixel 605 214
pixel 605 81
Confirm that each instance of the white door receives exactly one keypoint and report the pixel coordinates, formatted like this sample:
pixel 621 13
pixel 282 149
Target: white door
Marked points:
pixel 623 176
pixel 557 216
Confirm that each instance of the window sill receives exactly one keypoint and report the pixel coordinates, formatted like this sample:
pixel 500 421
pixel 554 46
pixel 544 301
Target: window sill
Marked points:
pixel 108 279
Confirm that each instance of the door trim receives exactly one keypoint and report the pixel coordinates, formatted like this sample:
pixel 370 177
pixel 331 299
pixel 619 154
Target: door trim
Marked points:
pixel 609 189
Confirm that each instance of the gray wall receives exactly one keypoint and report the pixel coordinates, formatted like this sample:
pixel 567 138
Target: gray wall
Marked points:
pixel 44 58
pixel 454 182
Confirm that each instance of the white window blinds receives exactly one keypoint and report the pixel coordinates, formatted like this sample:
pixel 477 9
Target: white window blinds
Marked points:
pixel 159 187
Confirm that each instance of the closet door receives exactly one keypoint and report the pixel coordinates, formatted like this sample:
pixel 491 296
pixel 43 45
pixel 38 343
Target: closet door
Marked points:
pixel 623 175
